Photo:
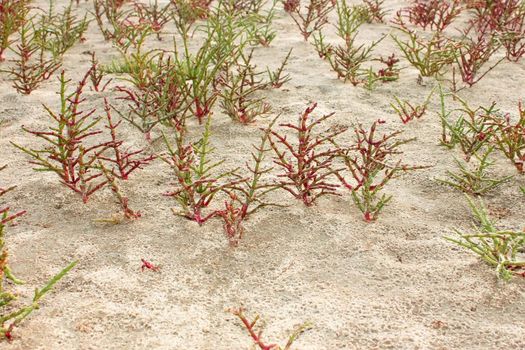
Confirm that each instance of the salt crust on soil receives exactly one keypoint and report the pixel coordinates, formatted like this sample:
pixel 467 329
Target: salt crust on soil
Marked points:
pixel 392 284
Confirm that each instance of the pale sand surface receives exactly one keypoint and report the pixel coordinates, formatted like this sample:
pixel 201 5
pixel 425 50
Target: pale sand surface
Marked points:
pixel 385 285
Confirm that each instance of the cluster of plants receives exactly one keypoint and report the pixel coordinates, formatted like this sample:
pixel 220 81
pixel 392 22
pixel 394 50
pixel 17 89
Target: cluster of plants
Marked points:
pixel 308 166
pixel 347 59
pixel 172 95
pixel 479 133
pixel 492 25
pixel 499 248
pixel 427 40
pixel 43 41
pixel 74 152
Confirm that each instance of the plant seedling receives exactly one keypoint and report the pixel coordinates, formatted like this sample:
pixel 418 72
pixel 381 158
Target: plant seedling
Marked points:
pixel 154 15
pixel 346 60
pixel 310 19
pixel 407 111
pixel 474 181
pixel 97 75
pixel 428 56
pixel 257 336
pixel 259 26
pixel 237 92
pixel 196 185
pixel 498 248
pixel 472 130
pixel 123 161
pixel 307 164
pixel 373 10
pixel 250 194
pixel 368 161
pixel 186 12
pixel 110 18
pixel 122 200
pixel 277 79
pixel 197 73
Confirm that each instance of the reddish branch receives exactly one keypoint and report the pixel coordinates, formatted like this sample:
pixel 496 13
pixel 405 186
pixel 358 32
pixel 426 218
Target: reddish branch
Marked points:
pixel 69 156
pixel 250 327
pixel 434 14
pixel 307 165
pixel 315 17
pixel 124 161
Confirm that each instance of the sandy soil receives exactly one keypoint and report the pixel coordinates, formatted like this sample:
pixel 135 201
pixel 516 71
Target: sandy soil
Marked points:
pixel 392 284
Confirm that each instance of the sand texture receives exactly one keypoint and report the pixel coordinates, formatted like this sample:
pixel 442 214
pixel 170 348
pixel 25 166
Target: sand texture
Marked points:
pixel 391 284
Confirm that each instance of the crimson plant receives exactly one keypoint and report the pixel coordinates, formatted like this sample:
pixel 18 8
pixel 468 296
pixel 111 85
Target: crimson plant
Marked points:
pixel 122 161
pixel 232 219
pixel 505 19
pixel 473 52
pixel 306 163
pixel 153 14
pixel 512 35
pixel 310 18
pixel 408 111
pixel 30 66
pixel 433 14
pixel 196 183
pixel 498 248
pixel 69 154
pixel 391 71
pixel 251 193
pixel 149 265
pixel 495 15
pixel 13 14
pixel 371 167
pixel 12 315
pixel 257 335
